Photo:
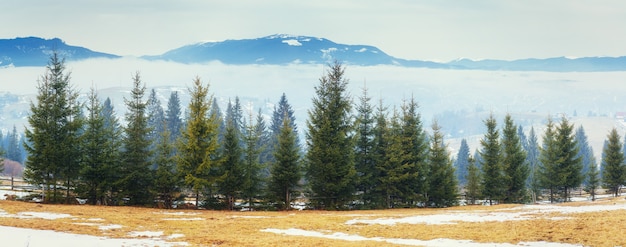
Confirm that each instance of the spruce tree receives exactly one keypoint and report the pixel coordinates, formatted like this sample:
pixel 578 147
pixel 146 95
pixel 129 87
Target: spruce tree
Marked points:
pixel 167 180
pixel 442 191
pixel 532 159
pixel 232 177
pixel 614 174
pixel 198 145
pixel 156 120
pixel 378 197
pixel 414 154
pixel 462 162
pixel 513 162
pixel 331 173
pixel 473 189
pixel 570 166
pixel 493 177
pixel 592 182
pixel 285 172
pixel 585 152
pixel 95 164
pixel 53 120
pixel 364 146
pixel 13 149
pixel 112 132
pixel 173 116
pixel 137 178
pixel 395 182
pixel 252 180
pixel 548 172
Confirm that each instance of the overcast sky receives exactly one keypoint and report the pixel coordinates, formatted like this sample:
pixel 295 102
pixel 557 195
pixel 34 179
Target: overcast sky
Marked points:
pixel 429 30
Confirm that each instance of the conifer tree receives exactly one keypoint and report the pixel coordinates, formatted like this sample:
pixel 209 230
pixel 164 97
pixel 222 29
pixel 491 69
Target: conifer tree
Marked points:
pixel 252 180
pixel 473 189
pixel 532 159
pixel 493 177
pixel 167 180
pixel 378 197
pixel 137 179
pixel 173 116
pixel 393 174
pixel 442 191
pixel 548 172
pixel 113 134
pixel 364 146
pixel 331 173
pixel 415 153
pixel 513 162
pixel 570 166
pixel 53 119
pixel 156 118
pixel 232 177
pixel 585 152
pixel 13 148
pixel 592 182
pixel 462 162
pixel 285 172
pixel 197 147
pixel 614 174
pixel 95 164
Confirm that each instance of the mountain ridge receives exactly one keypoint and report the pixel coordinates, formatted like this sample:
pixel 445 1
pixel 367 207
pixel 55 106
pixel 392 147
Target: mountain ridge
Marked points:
pixel 283 49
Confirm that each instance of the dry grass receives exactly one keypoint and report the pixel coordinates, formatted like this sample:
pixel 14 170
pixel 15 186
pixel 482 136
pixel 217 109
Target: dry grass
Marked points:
pixel 210 228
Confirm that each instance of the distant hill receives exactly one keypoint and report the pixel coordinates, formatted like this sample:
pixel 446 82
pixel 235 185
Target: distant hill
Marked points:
pixel 282 49
pixel 33 51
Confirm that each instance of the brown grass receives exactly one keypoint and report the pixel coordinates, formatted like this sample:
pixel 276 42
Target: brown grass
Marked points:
pixel 244 228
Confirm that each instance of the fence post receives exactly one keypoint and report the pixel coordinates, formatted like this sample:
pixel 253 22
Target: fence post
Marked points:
pixel 12 182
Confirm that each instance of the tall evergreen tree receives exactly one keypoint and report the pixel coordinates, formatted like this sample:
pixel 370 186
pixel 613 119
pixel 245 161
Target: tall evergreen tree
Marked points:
pixel 364 155
pixel 548 172
pixel 156 120
pixel 281 111
pixel 218 117
pixel 252 179
pixel 13 148
pixel 167 180
pixel 95 168
pixel 331 173
pixel 52 140
pixel 415 152
pixel 442 191
pixel 614 174
pixel 395 180
pixel 592 182
pixel 585 152
pixel 513 162
pixel 379 196
pixel 198 145
pixel 232 177
pixel 461 163
pixel 263 144
pixel 493 176
pixel 532 159
pixel 112 132
pixel 570 166
pixel 285 173
pixel 173 116
pixel 136 176
pixel 473 189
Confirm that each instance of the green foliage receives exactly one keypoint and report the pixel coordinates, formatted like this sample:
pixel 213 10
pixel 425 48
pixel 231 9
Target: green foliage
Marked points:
pixel 285 172
pixel 593 180
pixel 137 178
pixel 461 163
pixel 172 116
pixel 442 181
pixel 167 180
pixel 473 189
pixel 231 168
pixel 331 173
pixel 252 168
pixel 197 148
pixel 493 175
pixel 513 162
pixel 414 154
pixel 365 158
pixel 614 174
pixel 53 138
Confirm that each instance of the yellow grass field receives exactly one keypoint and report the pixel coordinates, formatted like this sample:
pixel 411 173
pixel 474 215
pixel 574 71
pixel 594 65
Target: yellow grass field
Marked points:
pixel 597 227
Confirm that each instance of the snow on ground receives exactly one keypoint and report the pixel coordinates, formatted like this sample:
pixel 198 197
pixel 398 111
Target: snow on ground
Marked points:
pixel 14 236
pixel 34 215
pixel 525 212
pixel 440 242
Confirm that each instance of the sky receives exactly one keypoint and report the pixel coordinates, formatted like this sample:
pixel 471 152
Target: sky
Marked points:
pixel 433 30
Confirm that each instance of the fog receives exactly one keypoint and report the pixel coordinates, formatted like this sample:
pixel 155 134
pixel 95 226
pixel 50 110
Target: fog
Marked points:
pixel 470 94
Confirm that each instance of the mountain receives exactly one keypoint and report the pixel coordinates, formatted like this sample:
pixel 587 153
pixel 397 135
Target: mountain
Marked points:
pixel 33 51
pixel 283 49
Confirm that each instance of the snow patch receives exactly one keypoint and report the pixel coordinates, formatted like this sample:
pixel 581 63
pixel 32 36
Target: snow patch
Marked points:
pixel 292 42
pixel 439 242
pixel 361 50
pixel 41 215
pixel 149 234
pixel 47 238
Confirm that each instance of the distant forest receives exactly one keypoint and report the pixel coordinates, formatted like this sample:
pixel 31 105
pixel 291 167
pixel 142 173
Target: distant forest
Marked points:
pixel 356 154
